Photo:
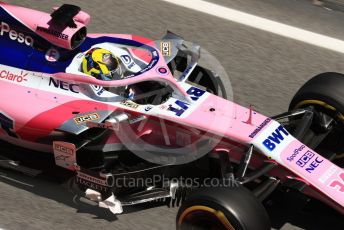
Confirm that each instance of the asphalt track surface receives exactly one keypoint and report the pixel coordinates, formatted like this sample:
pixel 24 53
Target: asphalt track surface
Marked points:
pixel 265 70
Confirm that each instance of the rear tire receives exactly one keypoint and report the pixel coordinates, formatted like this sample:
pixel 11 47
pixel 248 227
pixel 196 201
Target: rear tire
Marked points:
pixel 222 208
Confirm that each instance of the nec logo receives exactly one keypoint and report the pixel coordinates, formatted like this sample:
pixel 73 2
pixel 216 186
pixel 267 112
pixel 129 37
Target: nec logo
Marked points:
pixel 64 85
pixel 275 138
pixel 312 166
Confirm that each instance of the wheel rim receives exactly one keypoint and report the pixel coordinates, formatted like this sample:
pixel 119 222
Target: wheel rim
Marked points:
pixel 322 104
pixel 203 217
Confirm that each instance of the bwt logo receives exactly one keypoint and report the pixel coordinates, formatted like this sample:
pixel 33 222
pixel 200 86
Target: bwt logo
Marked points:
pixel 194 93
pixel 14 35
pixel 275 138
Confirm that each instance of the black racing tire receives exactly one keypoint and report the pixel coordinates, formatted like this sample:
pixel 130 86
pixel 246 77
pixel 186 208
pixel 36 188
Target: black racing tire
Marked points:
pixel 325 90
pixel 222 208
pixel 324 94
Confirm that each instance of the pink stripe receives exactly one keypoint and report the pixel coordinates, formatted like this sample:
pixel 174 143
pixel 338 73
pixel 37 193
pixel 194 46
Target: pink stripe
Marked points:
pixel 321 173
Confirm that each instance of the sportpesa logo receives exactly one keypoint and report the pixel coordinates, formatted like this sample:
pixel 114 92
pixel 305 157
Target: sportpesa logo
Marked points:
pixel 14 35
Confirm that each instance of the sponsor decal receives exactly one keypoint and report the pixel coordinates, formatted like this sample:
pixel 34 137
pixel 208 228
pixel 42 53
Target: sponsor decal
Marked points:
pixel 329 173
pixel 166 48
pixel 314 164
pixel 186 72
pixel 98 89
pixel 275 138
pixel 126 59
pixel 130 104
pixel 162 70
pixel 86 118
pixel 92 181
pixel 52 55
pixel 65 154
pixel 180 107
pixel 308 161
pixel 148 108
pixel 131 65
pixel 61 157
pixel 295 153
pixel 163 107
pixel 195 93
pixel 8 75
pixel 338 183
pixel 14 35
pixel 64 85
pixel 55 33
pixel 305 159
pixel 260 127
pixel 106 125
pixel 64 149
pixel 148 67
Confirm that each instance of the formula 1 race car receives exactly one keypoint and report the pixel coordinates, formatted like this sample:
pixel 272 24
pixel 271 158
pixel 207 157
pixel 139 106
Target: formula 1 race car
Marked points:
pixel 157 126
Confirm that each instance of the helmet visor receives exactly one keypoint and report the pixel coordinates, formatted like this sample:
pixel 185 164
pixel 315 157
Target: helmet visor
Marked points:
pixel 110 61
pixel 113 67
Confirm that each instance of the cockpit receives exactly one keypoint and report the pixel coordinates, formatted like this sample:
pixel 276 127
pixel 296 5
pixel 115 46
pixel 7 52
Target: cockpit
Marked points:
pixel 109 62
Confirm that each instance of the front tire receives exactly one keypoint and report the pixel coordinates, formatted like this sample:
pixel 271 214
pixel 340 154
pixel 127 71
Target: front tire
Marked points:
pixel 324 95
pixel 227 208
pixel 325 90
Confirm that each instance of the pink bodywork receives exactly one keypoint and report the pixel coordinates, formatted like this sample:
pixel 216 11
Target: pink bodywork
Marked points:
pixel 327 177
pixel 37 114
pixel 36 20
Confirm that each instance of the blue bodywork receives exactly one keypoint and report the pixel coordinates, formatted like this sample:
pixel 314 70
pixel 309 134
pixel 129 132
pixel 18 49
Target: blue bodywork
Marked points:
pixel 23 56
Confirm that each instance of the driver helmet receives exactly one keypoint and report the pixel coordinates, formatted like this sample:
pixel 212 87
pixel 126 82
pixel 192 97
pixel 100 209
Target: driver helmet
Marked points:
pixel 102 64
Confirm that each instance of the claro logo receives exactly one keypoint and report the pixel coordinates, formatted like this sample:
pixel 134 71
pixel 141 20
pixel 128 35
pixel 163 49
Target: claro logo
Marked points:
pixel 14 35
pixel 8 75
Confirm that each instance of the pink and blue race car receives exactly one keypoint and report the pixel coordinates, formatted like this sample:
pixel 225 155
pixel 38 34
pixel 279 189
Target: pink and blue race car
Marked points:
pixel 160 117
